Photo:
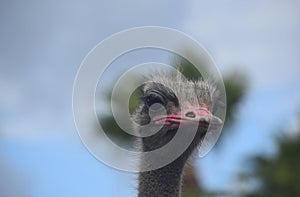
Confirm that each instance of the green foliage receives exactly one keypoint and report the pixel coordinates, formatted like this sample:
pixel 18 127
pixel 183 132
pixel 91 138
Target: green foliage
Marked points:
pixel 236 84
pixel 189 70
pixel 108 123
pixel 112 129
pixel 279 175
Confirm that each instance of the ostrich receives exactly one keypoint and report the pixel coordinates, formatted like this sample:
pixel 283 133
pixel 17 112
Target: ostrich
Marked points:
pixel 186 102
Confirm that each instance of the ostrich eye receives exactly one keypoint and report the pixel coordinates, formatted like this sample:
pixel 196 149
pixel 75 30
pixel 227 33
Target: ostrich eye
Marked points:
pixel 154 98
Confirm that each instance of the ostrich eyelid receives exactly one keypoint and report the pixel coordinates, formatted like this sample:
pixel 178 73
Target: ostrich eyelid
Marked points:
pixel 152 98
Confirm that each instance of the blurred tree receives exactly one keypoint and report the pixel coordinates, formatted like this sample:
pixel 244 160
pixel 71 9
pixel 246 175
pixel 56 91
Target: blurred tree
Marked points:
pixel 278 175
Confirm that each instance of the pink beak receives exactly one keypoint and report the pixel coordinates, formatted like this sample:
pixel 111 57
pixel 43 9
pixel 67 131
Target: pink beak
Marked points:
pixel 188 117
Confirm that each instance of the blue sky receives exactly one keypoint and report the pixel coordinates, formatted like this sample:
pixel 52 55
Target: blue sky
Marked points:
pixel 43 44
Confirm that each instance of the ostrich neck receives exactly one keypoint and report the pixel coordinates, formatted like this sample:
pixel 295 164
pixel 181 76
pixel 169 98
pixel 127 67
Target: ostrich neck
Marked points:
pixel 165 181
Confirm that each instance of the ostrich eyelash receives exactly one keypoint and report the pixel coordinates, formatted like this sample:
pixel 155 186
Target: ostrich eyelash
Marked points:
pixel 153 97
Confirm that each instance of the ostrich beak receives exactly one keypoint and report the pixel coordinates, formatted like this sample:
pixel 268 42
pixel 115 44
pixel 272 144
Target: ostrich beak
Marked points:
pixel 200 116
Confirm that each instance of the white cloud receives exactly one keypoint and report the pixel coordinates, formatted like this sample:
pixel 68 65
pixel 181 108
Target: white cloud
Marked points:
pixel 42 46
pixel 261 37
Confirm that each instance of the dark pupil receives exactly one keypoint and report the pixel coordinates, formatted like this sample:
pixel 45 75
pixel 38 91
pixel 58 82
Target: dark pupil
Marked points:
pixel 153 99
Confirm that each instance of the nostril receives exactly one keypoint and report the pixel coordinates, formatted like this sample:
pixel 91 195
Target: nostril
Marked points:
pixel 190 114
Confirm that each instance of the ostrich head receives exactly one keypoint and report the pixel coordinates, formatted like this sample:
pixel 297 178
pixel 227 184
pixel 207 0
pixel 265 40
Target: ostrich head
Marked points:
pixel 170 101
